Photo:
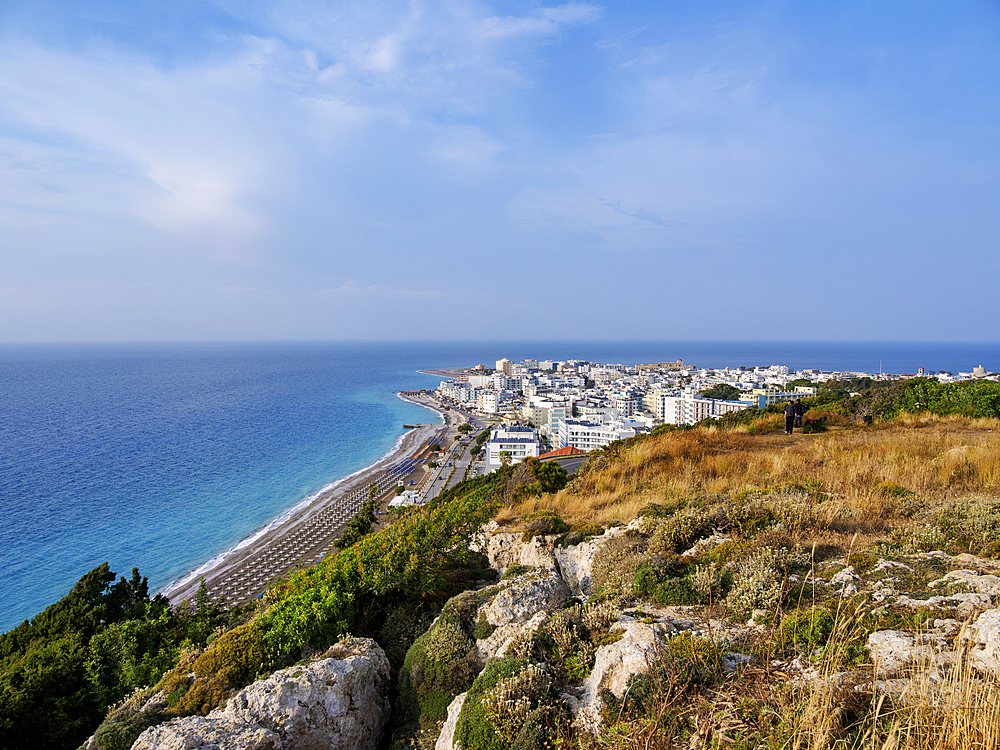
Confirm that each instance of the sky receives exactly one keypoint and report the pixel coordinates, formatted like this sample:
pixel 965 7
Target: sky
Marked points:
pixel 303 170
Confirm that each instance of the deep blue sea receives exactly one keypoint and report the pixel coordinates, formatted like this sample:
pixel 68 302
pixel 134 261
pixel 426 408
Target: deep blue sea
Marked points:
pixel 162 456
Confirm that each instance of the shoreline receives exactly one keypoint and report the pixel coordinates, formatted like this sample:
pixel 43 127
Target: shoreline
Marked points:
pixel 296 520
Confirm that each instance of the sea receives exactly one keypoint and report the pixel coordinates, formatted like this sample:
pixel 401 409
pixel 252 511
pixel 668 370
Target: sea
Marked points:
pixel 162 456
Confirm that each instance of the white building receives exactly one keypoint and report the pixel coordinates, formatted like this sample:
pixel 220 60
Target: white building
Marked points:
pixel 763 397
pixel 517 440
pixel 407 498
pixel 689 408
pixel 487 402
pixel 589 434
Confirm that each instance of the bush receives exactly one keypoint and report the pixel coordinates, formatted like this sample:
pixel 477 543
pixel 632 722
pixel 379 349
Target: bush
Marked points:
pixel 578 534
pixel 474 730
pixel 543 523
pixel 436 669
pixel 811 426
pixel 516 570
pixel 483 628
pixel 678 532
pixel 747 520
pixel 615 567
pixel 807 628
pixel 233 660
pixel 509 706
pixel 655 510
pixel 671 682
pixel 758 581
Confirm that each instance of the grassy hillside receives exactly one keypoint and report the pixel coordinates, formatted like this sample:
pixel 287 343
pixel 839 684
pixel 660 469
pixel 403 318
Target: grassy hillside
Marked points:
pixel 741 520
pixel 771 520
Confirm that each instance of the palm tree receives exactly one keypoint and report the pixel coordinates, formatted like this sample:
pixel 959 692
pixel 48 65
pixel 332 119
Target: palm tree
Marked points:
pixel 505 458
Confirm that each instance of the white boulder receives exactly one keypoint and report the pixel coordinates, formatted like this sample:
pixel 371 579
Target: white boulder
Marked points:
pixel 337 703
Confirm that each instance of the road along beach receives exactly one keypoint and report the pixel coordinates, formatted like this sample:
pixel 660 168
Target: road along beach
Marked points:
pixel 308 532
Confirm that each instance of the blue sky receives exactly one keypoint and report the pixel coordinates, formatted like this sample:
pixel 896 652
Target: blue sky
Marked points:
pixel 241 169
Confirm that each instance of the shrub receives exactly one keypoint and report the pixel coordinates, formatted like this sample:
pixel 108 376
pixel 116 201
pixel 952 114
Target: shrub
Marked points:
pixel 123 726
pixel 615 567
pixel 813 425
pixel 233 660
pixel 747 520
pixel 670 682
pixel 474 730
pixel 436 669
pixel 543 523
pixel 808 628
pixel 655 510
pixel 680 531
pixel 889 489
pixel 757 581
pixel 483 628
pixel 971 522
pixel 516 570
pixel 727 551
pixel 578 534
pixel 862 562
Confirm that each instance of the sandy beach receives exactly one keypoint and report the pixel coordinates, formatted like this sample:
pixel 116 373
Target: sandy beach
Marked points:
pixel 307 533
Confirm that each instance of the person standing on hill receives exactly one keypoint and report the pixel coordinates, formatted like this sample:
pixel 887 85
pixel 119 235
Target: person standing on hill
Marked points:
pixel 789 417
pixel 799 412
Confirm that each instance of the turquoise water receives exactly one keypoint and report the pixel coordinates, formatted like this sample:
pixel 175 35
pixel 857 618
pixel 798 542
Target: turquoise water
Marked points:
pixel 163 456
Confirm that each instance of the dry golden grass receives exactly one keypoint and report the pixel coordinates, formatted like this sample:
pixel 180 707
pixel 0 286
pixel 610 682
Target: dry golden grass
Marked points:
pixel 869 472
pixel 929 710
pixel 842 490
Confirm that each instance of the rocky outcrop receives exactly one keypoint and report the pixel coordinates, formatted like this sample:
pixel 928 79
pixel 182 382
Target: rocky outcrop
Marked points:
pixel 209 733
pixel 341 701
pixel 504 549
pixel 446 740
pixel 522 604
pixel 613 665
pixel 518 602
pixel 984 638
pixel 574 564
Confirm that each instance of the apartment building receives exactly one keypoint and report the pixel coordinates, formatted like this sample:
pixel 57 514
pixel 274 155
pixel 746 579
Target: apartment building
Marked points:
pixel 589 434
pixel 519 441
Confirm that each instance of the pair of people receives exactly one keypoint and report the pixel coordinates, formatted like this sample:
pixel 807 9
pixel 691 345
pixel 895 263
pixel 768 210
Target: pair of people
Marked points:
pixel 793 415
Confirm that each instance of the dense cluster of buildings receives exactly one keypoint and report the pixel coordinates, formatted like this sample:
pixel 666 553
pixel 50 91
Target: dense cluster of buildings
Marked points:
pixel 550 405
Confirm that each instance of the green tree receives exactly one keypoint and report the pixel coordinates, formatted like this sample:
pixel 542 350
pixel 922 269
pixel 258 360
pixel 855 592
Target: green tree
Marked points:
pixel 722 392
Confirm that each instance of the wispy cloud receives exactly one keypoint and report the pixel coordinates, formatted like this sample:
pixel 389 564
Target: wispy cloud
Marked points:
pixel 504 153
pixel 379 290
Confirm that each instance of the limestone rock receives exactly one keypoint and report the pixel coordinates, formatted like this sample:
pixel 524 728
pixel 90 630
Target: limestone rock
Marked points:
pixel 613 665
pixel 576 563
pixel 891 650
pixel 524 597
pixel 209 733
pixel 965 603
pixel 984 635
pixel 506 548
pixel 500 640
pixel 981 584
pixel 339 702
pixel 845 576
pixel 446 740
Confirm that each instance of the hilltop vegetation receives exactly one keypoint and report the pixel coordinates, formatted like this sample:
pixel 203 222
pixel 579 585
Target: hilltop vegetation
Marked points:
pixel 925 475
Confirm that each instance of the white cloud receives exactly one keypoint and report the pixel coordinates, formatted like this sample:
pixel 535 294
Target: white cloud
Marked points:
pixel 379 290
pixel 542 22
